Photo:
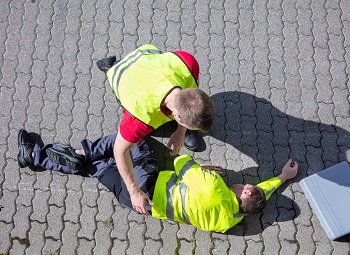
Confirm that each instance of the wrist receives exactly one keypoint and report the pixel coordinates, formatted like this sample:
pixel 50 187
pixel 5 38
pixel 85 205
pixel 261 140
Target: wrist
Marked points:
pixel 133 189
pixel 282 178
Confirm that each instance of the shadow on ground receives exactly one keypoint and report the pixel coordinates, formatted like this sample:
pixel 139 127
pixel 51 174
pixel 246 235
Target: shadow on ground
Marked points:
pixel 257 129
pixel 253 126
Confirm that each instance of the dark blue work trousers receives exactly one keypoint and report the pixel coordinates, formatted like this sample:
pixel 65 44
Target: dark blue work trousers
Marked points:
pixel 99 162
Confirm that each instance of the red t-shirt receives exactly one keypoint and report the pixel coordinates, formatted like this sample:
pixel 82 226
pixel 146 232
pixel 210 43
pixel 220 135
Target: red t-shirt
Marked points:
pixel 132 129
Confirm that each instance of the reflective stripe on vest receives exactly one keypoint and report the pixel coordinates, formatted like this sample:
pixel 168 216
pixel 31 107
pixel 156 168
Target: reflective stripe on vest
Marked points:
pixel 239 215
pixel 183 190
pixel 185 168
pixel 270 191
pixel 133 58
pixel 171 184
pixel 169 191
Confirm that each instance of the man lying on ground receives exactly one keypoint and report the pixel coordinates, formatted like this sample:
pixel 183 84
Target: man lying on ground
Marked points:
pixel 192 194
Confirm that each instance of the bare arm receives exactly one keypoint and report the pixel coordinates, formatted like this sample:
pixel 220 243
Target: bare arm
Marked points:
pixel 289 171
pixel 123 160
pixel 177 139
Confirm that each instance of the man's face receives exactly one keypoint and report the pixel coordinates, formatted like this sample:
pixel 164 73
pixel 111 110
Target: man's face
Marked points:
pixel 242 190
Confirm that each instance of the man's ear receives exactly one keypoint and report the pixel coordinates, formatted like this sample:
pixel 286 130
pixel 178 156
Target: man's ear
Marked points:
pixel 247 193
pixel 177 116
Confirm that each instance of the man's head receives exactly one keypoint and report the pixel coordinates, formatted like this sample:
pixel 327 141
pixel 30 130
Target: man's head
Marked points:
pixel 251 198
pixel 195 109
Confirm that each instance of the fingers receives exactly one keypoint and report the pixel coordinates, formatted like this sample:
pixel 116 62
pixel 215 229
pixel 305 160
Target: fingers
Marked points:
pixel 293 164
pixel 141 209
pixel 216 169
pixel 169 144
pixel 219 172
pixel 145 212
pixel 150 202
pixel 139 200
pixel 173 152
pixel 289 162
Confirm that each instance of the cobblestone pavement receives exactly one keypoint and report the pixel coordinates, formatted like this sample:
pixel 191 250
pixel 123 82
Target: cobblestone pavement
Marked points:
pixel 278 72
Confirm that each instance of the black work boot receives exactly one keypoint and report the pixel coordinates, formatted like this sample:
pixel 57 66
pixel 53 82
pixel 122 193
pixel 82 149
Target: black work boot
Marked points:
pixel 25 147
pixel 191 140
pixel 106 63
pixel 67 157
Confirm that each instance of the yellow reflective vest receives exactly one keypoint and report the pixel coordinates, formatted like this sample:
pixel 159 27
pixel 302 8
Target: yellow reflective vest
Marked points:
pixel 144 78
pixel 194 195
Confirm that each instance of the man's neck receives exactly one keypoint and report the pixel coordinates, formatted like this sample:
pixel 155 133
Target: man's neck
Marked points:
pixel 170 99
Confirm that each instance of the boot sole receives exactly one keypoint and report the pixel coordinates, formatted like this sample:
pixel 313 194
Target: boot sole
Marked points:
pixel 63 159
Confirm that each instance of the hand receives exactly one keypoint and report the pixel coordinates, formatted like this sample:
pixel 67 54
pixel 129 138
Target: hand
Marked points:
pixel 289 171
pixel 177 140
pixel 217 169
pixel 139 200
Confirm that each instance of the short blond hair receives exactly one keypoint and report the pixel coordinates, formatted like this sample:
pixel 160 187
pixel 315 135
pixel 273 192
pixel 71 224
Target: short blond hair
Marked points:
pixel 196 109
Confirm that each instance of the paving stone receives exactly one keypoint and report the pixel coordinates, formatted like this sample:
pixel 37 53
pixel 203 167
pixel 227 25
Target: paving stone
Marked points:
pixel 103 244
pixel 186 232
pixel 204 242
pixel 73 206
pixel 55 222
pixel 40 206
pixel 169 231
pixel 21 222
pixel 119 217
pixel 17 247
pixel 36 238
pixel 5 244
pixel 87 222
pixel 135 234
pixel 306 242
pixel 8 208
pixel 153 228
pixel 237 244
pixel 120 246
pixel 69 240
pixel 152 247
pixel 271 240
pixel 253 247
pixel 12 176
pixel 85 246
pixel 59 191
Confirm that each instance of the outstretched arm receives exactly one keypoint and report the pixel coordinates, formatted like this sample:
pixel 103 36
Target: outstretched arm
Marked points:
pixel 123 160
pixel 289 171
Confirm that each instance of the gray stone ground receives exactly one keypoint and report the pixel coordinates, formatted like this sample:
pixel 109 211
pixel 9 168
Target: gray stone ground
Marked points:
pixel 278 72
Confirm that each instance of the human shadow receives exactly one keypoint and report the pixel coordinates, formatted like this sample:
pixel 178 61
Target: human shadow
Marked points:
pixel 255 224
pixel 162 153
pixel 257 129
pixel 253 128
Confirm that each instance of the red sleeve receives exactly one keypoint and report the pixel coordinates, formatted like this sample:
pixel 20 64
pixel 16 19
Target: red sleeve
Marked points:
pixel 190 62
pixel 133 130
